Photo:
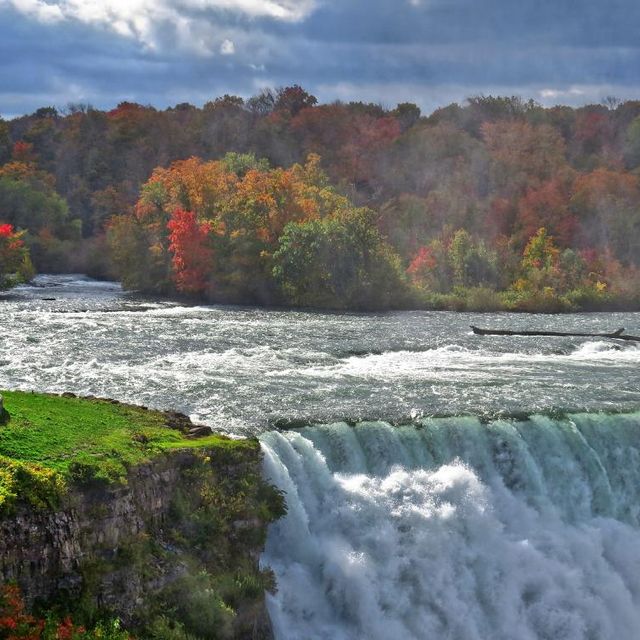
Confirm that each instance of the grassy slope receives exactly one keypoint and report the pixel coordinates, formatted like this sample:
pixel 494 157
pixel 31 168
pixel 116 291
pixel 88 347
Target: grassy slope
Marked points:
pixel 50 441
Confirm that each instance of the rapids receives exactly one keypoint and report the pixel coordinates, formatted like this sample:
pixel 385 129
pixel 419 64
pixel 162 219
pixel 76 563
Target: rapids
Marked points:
pixel 244 370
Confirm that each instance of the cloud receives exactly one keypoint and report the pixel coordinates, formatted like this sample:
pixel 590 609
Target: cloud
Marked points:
pixel 38 9
pixel 227 48
pixel 432 52
pixel 569 92
pixel 146 20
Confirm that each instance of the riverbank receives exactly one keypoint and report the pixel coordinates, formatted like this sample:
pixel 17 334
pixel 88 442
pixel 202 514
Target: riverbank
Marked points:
pixel 460 299
pixel 109 510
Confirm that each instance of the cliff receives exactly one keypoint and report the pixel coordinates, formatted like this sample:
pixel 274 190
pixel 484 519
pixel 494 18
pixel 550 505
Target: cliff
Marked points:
pixel 171 547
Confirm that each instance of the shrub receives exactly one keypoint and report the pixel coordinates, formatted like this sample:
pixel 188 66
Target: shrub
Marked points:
pixel 29 483
pixel 17 624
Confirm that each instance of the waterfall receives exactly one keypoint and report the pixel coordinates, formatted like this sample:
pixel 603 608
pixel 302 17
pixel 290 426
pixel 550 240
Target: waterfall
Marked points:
pixel 459 529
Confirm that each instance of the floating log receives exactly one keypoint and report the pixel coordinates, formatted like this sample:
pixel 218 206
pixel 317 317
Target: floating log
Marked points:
pixel 618 335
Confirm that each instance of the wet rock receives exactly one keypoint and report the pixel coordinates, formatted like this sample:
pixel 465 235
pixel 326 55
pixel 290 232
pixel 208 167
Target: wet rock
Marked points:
pixel 4 414
pixel 178 421
pixel 199 432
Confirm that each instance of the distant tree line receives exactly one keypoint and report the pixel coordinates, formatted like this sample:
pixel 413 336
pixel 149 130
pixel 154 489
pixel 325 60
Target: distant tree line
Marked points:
pixel 496 203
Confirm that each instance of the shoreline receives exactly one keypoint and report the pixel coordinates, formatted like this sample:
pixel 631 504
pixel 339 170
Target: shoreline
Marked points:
pixel 458 305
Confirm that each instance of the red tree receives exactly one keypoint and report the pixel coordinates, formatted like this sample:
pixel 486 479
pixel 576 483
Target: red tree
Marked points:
pixel 23 152
pixel 548 206
pixel 422 263
pixel 192 252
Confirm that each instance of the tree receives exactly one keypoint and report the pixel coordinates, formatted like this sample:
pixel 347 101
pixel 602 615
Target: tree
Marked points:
pixel 607 204
pixel 5 142
pixel 632 144
pixel 472 264
pixel 523 156
pixel 139 254
pixel 427 153
pixel 189 243
pixel 483 109
pixel 540 272
pixel 106 204
pixel 262 104
pixel 350 141
pixel 591 135
pixel 407 223
pixel 547 205
pixel 407 114
pixel 293 99
pixel 211 228
pixel 241 163
pixel 15 264
pixel 430 269
pixel 28 202
pixel 339 261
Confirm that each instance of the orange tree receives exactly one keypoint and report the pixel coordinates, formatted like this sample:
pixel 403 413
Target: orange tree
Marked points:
pixel 212 228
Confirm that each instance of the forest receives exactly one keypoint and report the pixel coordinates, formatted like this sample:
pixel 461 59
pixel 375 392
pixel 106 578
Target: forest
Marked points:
pixel 498 203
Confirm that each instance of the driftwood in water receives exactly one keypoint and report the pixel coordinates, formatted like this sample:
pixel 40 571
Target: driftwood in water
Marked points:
pixel 619 334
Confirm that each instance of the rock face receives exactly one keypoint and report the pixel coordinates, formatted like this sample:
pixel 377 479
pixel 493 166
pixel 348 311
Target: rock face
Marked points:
pixel 121 549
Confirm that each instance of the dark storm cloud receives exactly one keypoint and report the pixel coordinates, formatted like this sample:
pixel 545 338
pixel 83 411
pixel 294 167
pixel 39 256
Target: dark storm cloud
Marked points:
pixel 429 51
pixel 574 22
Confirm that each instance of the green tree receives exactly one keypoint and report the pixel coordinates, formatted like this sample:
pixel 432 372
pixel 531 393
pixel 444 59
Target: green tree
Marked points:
pixel 472 263
pixel 5 142
pixel 340 261
pixel 632 144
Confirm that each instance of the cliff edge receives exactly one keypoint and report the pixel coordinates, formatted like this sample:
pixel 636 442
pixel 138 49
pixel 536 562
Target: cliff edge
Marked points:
pixel 113 511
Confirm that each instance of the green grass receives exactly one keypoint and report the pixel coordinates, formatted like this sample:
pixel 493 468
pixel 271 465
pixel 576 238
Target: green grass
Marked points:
pixel 51 441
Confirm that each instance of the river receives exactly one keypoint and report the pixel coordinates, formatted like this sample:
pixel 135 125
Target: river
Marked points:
pixel 440 484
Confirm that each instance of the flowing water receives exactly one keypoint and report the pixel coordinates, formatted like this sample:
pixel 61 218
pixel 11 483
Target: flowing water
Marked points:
pixel 439 484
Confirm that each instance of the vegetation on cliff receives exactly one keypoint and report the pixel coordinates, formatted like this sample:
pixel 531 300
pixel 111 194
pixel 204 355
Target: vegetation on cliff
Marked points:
pixel 48 443
pixel 165 524
pixel 16 623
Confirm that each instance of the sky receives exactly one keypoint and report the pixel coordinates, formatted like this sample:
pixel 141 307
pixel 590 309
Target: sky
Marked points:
pixel 431 52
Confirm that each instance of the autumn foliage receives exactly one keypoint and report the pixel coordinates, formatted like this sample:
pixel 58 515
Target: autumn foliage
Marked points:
pixel 216 201
pixel 217 227
pixel 15 265
pixel 191 252
pixel 17 624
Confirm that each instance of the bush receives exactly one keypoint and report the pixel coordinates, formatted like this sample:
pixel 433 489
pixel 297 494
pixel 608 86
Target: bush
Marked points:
pixel 544 301
pixel 28 483
pixel 339 262
pixel 17 624
pixel 483 299
pixel 588 299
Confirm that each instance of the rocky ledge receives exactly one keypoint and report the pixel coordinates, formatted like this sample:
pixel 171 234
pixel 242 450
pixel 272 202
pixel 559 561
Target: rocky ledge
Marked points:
pixel 172 550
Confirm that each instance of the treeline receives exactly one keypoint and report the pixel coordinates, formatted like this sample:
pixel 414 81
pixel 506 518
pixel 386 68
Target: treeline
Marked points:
pixel 497 203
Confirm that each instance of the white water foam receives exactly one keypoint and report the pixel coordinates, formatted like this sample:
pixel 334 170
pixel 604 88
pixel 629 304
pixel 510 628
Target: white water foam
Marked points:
pixel 390 535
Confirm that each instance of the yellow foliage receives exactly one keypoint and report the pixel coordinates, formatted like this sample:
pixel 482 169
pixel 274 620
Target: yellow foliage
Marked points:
pixel 520 284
